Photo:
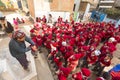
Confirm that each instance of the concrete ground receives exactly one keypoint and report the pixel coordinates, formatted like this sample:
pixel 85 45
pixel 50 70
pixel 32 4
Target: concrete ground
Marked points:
pixel 41 64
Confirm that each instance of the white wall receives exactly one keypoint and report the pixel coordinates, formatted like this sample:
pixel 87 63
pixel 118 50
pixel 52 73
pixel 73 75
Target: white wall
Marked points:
pixel 42 7
pixel 77 2
pixel 86 11
pixel 55 15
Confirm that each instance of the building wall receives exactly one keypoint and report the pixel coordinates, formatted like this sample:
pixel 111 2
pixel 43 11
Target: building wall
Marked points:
pixel 54 5
pixel 117 3
pixel 62 5
pixel 13 1
pixel 31 7
pixel 89 1
pixel 83 6
pixel 44 7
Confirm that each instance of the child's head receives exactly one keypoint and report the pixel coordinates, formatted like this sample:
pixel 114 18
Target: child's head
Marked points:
pixel 106 76
pixel 13 18
pixel 109 56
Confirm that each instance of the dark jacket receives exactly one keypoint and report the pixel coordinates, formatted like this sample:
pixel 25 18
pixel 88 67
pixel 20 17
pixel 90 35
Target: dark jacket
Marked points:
pixel 8 28
pixel 18 49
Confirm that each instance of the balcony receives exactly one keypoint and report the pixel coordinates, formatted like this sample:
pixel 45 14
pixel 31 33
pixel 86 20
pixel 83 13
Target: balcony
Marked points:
pixel 107 1
pixel 89 1
pixel 105 6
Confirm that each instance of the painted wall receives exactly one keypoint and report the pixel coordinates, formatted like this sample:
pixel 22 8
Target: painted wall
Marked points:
pixel 31 7
pixel 62 5
pixel 55 7
pixel 86 12
pixel 14 2
pixel 77 2
pixel 83 6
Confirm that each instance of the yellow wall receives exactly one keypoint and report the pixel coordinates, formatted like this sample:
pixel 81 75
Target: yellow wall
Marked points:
pixel 83 6
pixel 31 7
pixel 37 6
pixel 14 3
pixel 62 5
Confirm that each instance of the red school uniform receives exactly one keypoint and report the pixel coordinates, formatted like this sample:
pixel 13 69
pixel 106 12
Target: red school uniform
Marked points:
pixel 57 61
pixel 68 54
pixel 39 40
pixel 91 58
pixel 104 61
pixel 72 41
pixel 111 46
pixel 117 38
pixel 65 71
pixel 73 61
pixel 77 76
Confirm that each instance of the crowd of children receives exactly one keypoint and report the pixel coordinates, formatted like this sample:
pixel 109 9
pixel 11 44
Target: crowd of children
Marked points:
pixel 17 21
pixel 74 46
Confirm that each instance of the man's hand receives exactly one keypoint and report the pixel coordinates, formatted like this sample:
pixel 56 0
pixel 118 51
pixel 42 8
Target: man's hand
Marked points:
pixel 34 48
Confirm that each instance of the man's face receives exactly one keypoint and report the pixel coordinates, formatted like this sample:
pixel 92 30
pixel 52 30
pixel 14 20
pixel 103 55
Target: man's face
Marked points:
pixel 21 39
pixel 2 21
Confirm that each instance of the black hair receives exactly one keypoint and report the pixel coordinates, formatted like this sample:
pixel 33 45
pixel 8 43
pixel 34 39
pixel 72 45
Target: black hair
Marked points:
pixel 110 55
pixel 2 18
pixel 106 76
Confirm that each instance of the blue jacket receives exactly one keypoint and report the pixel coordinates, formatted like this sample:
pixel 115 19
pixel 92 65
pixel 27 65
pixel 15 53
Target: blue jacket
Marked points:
pixel 18 49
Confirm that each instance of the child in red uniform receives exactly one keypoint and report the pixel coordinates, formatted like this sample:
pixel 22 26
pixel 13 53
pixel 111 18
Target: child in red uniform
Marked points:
pixel 22 20
pixel 105 76
pixel 84 74
pixel 102 63
pixel 15 24
pixel 73 61
pixel 95 40
pixel 90 56
pixel 108 47
pixel 36 37
pixel 77 76
pixel 63 73
pixel 44 20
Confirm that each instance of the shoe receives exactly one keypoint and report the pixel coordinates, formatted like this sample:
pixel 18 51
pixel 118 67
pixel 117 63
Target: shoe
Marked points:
pixel 40 51
pixel 27 69
pixel 29 62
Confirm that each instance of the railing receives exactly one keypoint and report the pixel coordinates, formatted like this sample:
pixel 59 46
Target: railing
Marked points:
pixel 107 1
pixel 105 6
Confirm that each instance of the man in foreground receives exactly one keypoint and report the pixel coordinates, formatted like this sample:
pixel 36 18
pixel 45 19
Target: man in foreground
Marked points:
pixel 18 47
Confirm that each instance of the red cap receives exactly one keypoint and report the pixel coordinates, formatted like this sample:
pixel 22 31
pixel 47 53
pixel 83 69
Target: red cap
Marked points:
pixel 86 72
pixel 85 47
pixel 78 56
pixel 55 44
pixel 77 76
pixel 66 71
pixel 70 48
